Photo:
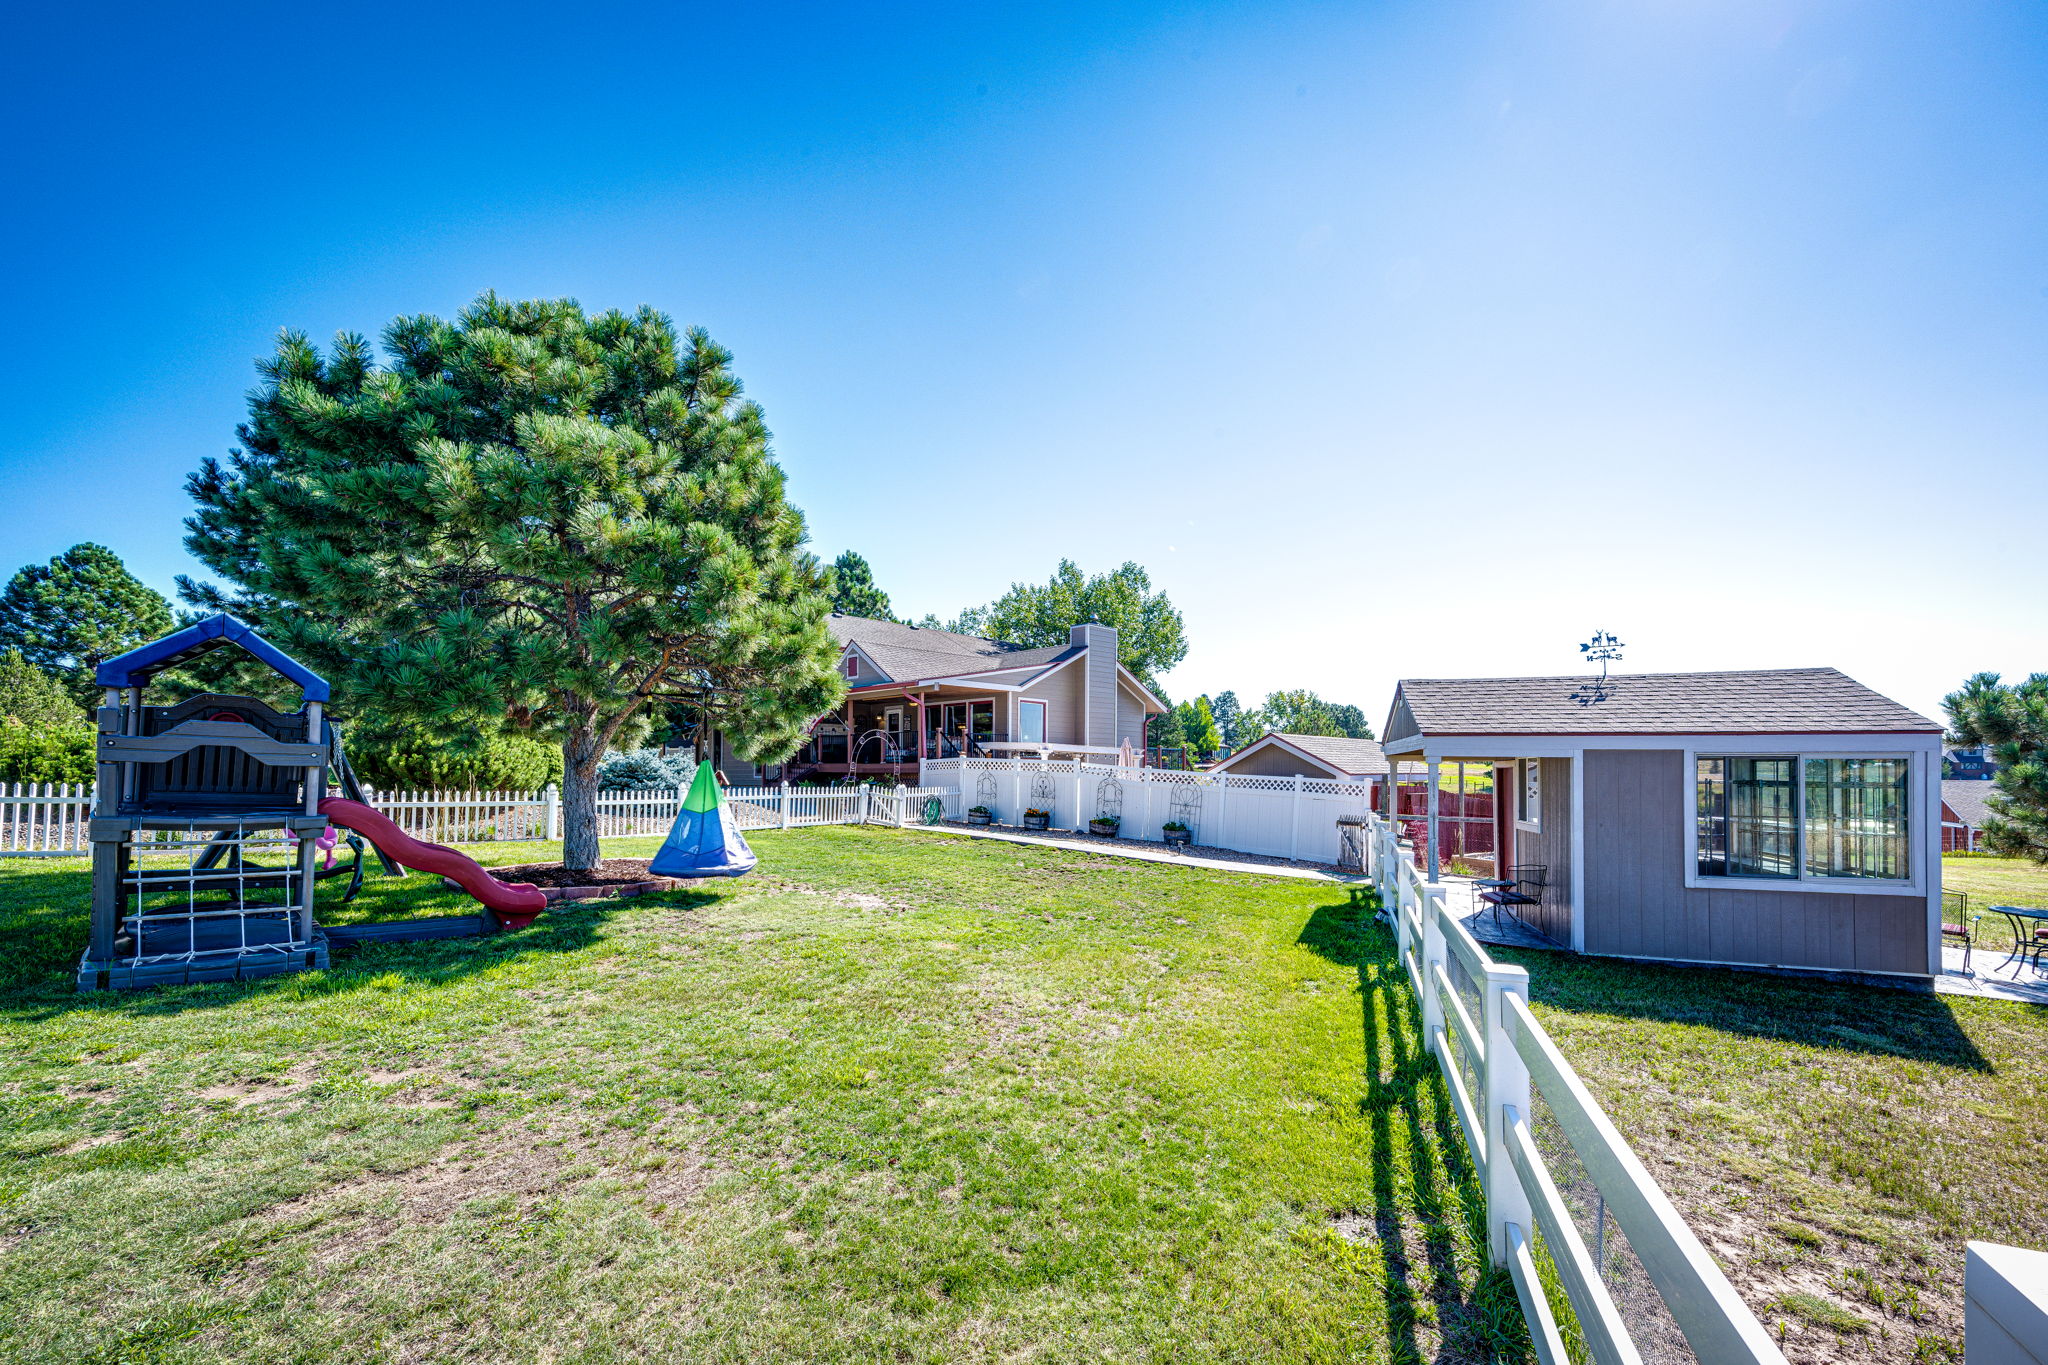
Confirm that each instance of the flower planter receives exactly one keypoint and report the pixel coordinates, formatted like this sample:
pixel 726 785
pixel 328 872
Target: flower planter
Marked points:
pixel 1038 822
pixel 1105 829
pixel 981 819
pixel 1179 838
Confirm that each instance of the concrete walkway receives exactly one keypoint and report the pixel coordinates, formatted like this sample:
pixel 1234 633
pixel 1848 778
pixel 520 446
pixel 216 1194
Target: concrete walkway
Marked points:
pixel 1990 982
pixel 1218 860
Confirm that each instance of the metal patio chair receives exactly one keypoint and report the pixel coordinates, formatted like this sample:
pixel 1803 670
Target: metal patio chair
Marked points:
pixel 1513 894
pixel 1958 924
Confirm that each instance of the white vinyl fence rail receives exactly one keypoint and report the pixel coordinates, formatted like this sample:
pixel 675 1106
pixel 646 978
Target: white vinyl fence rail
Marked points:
pixel 1496 1061
pixel 44 819
pixel 1282 817
pixel 50 821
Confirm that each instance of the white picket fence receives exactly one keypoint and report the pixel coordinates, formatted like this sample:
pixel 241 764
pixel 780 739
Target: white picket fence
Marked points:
pixel 1496 1061
pixel 1282 817
pixel 50 820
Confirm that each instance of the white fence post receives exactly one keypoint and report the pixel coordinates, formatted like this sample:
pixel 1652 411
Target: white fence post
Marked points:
pixel 782 803
pixel 551 811
pixel 1294 823
pixel 1433 957
pixel 1506 1087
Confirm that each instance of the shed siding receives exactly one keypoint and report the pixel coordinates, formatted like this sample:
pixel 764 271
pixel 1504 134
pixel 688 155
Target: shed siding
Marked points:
pixel 1400 721
pixel 1271 760
pixel 1550 848
pixel 1062 693
pixel 1637 903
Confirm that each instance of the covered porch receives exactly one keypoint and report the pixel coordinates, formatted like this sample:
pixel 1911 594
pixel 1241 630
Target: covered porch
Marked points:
pixel 887 730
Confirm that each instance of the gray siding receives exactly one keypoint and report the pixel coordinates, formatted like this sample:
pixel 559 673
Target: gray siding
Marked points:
pixel 1637 903
pixel 1130 718
pixel 1400 722
pixel 1100 663
pixel 1062 693
pixel 1274 761
pixel 1550 848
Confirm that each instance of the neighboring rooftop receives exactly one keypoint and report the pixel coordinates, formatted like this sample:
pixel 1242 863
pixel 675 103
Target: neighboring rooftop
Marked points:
pixel 1966 798
pixel 1352 757
pixel 905 652
pixel 1771 701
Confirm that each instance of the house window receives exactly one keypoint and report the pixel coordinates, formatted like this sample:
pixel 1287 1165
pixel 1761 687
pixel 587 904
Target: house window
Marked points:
pixel 1031 722
pixel 1788 817
pixel 1529 794
pixel 853 665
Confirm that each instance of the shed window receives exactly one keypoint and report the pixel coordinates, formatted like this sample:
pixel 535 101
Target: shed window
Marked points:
pixel 1790 817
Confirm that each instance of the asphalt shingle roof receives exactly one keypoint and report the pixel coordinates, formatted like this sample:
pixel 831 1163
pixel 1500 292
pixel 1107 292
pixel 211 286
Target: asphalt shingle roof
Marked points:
pixel 906 652
pixel 1355 757
pixel 1771 701
pixel 1966 799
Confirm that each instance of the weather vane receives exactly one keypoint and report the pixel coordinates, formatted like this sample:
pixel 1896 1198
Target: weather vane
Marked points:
pixel 1605 647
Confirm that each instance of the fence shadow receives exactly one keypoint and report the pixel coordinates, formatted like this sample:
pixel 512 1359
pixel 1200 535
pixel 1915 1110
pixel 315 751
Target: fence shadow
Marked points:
pixel 45 916
pixel 1837 1015
pixel 1423 1181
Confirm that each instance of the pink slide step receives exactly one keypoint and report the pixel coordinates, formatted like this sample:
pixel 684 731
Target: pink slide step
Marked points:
pixel 514 903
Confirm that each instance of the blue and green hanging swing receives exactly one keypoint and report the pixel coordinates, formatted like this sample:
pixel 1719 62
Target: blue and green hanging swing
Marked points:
pixel 705 840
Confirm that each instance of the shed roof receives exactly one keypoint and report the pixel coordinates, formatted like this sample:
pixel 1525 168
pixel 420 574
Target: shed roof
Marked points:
pixel 139 665
pixel 1762 701
pixel 1351 757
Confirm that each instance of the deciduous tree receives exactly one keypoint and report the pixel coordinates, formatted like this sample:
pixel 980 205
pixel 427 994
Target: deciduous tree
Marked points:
pixel 530 515
pixel 1149 634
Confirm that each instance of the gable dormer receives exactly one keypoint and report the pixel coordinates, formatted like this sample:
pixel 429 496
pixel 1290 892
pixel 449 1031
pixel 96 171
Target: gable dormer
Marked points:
pixel 858 668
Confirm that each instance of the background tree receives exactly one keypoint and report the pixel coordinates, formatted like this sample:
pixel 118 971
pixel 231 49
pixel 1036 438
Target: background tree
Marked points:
pixel 79 609
pixel 531 516
pixel 1168 730
pixel 45 735
pixel 1350 721
pixel 1227 712
pixel 1298 711
pixel 1198 727
pixel 853 589
pixel 29 696
pixel 2012 721
pixel 1149 634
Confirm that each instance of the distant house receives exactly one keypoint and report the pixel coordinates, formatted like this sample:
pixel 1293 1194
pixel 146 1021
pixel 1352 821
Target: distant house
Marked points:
pixel 1963 810
pixel 1788 818
pixel 1968 763
pixel 916 693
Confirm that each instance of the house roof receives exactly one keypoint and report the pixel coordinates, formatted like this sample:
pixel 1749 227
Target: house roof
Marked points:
pixel 1966 799
pixel 1767 701
pixel 1351 757
pixel 904 651
pixel 139 665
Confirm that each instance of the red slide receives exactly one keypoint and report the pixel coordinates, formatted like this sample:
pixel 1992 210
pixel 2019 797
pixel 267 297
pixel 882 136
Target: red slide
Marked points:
pixel 515 903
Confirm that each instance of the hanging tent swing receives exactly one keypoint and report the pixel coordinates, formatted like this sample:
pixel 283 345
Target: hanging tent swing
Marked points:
pixel 706 840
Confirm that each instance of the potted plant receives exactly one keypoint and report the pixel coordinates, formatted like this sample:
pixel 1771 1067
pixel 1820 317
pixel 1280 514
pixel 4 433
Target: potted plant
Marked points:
pixel 1105 825
pixel 979 815
pixel 1037 819
pixel 1178 835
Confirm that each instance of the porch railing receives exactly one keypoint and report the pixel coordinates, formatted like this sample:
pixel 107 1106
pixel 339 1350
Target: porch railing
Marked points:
pixel 1497 1062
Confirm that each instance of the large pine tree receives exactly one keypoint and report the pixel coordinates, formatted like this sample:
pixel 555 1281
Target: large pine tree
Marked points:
pixel 81 608
pixel 531 514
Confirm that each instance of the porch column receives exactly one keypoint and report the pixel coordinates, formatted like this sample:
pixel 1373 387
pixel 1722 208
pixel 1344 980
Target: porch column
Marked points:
pixel 1435 800
pixel 849 736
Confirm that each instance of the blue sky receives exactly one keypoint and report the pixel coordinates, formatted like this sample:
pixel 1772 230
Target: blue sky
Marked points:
pixel 1395 340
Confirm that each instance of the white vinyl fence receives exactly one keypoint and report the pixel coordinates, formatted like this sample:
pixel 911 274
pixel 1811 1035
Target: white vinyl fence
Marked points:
pixel 1498 1063
pixel 50 821
pixel 1282 817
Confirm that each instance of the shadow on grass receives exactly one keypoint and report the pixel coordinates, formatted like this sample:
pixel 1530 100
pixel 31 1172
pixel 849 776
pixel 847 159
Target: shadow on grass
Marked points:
pixel 45 916
pixel 1423 1177
pixel 1843 1016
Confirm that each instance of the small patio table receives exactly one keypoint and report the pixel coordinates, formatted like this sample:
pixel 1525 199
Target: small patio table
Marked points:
pixel 2025 920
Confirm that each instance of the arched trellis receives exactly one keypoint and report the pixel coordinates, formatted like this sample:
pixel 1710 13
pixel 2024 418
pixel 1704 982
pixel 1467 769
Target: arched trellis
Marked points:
pixel 985 791
pixel 1186 809
pixel 1109 798
pixel 1043 794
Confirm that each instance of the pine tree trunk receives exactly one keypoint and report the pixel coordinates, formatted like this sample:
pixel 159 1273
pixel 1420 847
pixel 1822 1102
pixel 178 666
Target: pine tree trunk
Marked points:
pixel 580 755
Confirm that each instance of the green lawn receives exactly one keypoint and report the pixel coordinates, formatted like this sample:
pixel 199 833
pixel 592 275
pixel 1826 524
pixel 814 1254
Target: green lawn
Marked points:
pixel 894 1097
pixel 1833 1145
pixel 1995 881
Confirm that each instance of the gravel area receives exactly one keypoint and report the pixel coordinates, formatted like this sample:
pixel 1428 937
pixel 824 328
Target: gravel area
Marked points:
pixel 1194 853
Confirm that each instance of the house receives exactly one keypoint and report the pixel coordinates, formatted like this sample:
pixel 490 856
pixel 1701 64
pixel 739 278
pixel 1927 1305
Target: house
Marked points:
pixel 1971 762
pixel 1962 813
pixel 1786 818
pixel 914 692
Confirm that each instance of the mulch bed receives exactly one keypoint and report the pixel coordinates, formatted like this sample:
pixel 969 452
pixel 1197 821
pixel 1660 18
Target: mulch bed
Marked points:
pixel 611 877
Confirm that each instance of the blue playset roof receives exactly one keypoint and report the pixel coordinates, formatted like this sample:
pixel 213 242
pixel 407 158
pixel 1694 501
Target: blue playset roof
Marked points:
pixel 138 665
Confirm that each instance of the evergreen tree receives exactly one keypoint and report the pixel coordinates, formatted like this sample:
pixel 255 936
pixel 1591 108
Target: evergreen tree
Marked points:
pixel 1228 712
pixel 1149 634
pixel 2013 721
pixel 853 589
pixel 81 608
pixel 533 515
